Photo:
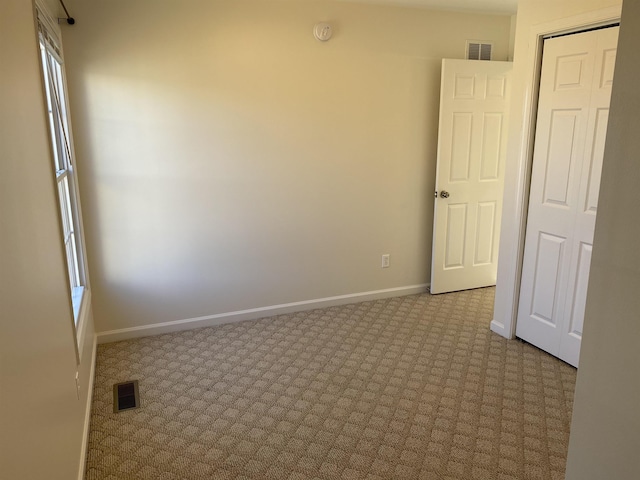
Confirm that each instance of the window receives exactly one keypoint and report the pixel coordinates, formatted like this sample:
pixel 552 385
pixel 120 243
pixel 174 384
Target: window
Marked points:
pixel 63 158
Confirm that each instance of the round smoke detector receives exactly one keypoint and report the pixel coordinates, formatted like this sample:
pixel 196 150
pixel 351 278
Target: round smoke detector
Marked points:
pixel 322 31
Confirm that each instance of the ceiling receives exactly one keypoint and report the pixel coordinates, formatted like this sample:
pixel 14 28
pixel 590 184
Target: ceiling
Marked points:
pixel 505 7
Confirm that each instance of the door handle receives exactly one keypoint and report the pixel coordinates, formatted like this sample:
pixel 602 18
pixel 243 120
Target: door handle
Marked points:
pixel 444 194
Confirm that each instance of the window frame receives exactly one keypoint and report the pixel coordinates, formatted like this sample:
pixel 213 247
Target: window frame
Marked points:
pixel 64 169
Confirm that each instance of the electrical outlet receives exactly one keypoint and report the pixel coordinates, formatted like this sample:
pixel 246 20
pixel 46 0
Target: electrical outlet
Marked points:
pixel 385 260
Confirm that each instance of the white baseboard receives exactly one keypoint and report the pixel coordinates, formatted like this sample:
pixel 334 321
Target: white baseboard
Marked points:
pixel 87 414
pixel 254 313
pixel 500 329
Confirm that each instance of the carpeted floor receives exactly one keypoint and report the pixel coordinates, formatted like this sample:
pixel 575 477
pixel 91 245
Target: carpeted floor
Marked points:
pixel 413 387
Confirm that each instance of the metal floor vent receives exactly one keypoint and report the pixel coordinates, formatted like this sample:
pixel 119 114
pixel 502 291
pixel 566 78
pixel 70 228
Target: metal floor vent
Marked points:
pixel 126 396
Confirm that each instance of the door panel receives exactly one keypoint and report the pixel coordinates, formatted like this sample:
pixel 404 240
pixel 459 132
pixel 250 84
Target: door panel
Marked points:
pixel 497 87
pixel 465 86
pixel 548 272
pixel 575 87
pixel 595 161
pixel 456 226
pixel 491 143
pixel 580 290
pixel 460 147
pixel 471 160
pixel 561 156
pixel 571 71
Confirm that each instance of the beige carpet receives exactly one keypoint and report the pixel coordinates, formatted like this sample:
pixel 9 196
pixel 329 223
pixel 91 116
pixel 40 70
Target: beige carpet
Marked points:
pixel 414 387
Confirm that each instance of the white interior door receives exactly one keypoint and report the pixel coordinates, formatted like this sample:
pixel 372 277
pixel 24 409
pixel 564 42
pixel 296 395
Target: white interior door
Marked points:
pixel 474 103
pixel 573 109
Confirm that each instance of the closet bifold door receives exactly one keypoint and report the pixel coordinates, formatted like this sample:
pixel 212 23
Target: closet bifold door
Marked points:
pixel 573 108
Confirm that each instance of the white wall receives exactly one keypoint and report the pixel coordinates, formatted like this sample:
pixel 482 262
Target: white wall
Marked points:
pixel 512 37
pixel 605 431
pixel 230 161
pixel 41 418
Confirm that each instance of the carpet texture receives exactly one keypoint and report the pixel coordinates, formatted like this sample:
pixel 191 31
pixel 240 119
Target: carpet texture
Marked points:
pixel 414 387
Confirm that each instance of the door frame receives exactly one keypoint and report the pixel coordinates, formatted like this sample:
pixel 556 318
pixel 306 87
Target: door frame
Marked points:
pixel 513 229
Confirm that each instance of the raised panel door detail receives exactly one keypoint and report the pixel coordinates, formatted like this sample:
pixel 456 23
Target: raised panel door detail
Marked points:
pixel 464 87
pixel 595 164
pixel 560 156
pixel 456 235
pixel 580 290
pixel 485 233
pixel 570 71
pixel 461 146
pixel 548 267
pixel 491 143
pixel 496 87
pixel 474 109
pixel 573 108
pixel 607 68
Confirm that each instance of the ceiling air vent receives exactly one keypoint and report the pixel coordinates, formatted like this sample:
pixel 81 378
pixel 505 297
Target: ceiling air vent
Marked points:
pixel 478 50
